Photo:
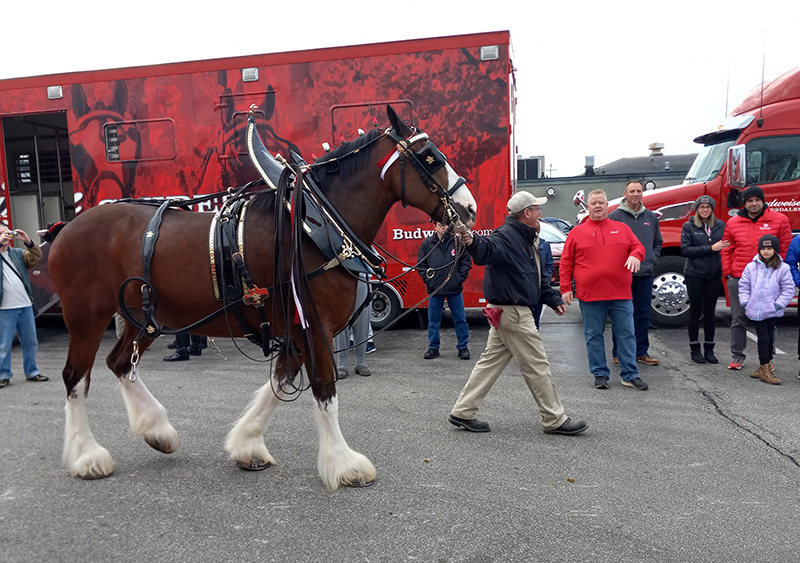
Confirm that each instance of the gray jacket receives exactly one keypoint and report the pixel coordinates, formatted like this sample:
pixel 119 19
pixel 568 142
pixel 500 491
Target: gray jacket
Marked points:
pixel 644 224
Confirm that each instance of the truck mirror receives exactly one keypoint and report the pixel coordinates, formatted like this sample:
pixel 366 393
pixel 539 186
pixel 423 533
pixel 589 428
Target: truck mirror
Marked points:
pixel 734 199
pixel 737 168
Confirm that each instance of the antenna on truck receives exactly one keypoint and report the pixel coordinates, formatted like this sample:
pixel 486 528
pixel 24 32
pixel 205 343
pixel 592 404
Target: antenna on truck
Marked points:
pixel 760 121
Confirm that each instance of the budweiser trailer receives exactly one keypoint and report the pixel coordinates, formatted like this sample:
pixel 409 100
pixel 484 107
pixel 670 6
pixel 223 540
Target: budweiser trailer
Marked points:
pixel 71 141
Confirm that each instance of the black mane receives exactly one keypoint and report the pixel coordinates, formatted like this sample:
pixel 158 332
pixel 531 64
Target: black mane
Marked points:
pixel 328 165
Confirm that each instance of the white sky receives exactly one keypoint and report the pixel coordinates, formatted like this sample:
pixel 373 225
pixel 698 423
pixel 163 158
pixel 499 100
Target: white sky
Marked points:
pixel 593 78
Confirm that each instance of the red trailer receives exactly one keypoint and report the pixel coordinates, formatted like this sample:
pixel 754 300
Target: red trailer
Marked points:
pixel 72 141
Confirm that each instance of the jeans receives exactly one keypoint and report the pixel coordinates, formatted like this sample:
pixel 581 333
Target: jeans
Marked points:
pixel 738 321
pixel 594 323
pixel 21 321
pixel 435 307
pixel 641 296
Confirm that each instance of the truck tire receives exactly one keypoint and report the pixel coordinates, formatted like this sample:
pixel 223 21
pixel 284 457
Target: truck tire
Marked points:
pixel 670 301
pixel 385 307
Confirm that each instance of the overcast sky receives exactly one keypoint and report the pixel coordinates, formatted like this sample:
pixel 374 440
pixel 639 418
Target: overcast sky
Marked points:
pixel 594 78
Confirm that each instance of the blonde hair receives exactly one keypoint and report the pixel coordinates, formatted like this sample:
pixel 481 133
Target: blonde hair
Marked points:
pixel 698 222
pixel 597 192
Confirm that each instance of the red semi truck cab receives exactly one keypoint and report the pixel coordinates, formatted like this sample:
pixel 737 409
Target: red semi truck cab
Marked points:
pixel 758 145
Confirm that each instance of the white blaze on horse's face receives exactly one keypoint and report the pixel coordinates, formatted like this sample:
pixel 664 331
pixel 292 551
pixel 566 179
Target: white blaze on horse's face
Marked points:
pixel 462 196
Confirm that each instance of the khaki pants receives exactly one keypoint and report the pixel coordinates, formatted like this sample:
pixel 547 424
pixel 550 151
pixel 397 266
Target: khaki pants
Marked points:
pixel 517 337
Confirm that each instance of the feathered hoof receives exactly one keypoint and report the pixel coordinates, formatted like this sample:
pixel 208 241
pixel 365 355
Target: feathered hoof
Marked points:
pixel 253 464
pixel 96 465
pixel 163 439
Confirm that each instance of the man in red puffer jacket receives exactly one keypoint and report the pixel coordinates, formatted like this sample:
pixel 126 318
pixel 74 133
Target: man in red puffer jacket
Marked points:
pixel 744 230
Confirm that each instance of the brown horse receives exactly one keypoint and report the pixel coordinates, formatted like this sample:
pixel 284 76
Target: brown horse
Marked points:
pixel 102 247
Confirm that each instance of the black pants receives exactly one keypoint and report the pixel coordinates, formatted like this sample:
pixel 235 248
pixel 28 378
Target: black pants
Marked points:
pixel 182 340
pixel 765 331
pixel 703 294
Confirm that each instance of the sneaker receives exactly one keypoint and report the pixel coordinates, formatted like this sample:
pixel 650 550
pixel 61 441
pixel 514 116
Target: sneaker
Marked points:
pixel 37 377
pixel 341 373
pixel 736 364
pixel 463 353
pixel 601 383
pixel 636 383
pixel 370 347
pixel 473 424
pixel 647 360
pixel 431 354
pixel 4 382
pixel 616 361
pixel 363 370
pixel 569 428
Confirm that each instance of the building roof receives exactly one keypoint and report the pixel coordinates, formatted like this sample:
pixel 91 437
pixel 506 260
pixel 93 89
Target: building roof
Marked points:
pixel 648 164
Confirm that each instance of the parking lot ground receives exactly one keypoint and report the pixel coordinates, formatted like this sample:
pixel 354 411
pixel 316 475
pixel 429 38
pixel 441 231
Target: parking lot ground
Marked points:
pixel 702 467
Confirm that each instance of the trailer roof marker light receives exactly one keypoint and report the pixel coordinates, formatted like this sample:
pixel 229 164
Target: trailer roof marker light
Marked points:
pixel 490 53
pixel 250 74
pixel 54 93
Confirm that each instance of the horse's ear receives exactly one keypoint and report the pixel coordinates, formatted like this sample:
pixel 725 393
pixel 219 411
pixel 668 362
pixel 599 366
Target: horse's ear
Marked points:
pixel 397 123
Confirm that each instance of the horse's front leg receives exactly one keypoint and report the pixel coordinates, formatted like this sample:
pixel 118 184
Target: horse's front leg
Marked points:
pixel 337 463
pixel 245 441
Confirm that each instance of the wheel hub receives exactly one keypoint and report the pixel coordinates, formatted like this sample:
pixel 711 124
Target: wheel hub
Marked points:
pixel 669 294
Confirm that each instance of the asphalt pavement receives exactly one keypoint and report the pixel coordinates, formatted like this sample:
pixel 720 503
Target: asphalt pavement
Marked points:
pixel 701 467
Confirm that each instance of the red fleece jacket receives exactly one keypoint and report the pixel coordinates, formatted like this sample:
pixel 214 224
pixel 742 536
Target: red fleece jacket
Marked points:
pixel 744 234
pixel 595 255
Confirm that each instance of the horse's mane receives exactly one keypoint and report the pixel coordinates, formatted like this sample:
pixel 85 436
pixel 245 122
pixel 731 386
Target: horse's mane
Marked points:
pixel 327 167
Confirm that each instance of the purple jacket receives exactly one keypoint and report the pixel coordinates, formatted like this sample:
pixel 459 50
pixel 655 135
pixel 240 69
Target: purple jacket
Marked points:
pixel 765 292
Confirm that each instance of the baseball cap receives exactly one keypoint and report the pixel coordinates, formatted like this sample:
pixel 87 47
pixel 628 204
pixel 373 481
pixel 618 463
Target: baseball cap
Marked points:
pixel 521 200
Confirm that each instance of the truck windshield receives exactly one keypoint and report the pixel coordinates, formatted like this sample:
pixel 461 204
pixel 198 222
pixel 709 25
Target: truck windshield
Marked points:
pixel 709 162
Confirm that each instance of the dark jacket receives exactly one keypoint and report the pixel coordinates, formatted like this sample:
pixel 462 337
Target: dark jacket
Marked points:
pixel 511 276
pixel 21 260
pixel 435 268
pixel 701 261
pixel 546 254
pixel 644 224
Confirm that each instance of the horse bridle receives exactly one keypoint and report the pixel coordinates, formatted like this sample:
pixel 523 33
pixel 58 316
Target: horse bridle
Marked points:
pixel 428 160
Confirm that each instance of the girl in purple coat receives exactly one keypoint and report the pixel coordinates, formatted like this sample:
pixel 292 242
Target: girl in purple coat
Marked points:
pixel 766 288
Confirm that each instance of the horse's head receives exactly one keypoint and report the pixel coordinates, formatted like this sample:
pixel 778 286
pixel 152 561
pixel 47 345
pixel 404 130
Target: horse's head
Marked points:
pixel 442 193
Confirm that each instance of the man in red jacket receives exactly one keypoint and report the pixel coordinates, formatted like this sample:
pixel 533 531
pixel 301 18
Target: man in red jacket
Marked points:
pixel 743 231
pixel 601 255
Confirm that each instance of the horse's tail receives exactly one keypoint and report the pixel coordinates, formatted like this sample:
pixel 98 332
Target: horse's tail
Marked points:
pixel 52 231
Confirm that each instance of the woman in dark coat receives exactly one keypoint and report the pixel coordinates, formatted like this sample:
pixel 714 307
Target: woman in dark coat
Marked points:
pixel 701 244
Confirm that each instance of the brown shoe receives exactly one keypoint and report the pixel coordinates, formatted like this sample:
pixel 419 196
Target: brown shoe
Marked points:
pixel 767 376
pixel 616 361
pixel 647 360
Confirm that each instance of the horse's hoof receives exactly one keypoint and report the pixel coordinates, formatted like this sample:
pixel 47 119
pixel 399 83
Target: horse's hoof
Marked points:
pixel 254 465
pixel 162 446
pixel 360 483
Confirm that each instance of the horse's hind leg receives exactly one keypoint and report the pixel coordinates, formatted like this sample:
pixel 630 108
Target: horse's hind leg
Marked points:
pixel 83 456
pixel 146 416
pixel 245 442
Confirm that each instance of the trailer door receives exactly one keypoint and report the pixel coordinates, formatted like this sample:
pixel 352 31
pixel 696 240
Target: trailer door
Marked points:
pixel 38 170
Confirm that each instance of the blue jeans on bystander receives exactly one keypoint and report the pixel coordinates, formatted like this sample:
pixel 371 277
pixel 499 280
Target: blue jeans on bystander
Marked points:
pixel 620 311
pixel 435 307
pixel 20 321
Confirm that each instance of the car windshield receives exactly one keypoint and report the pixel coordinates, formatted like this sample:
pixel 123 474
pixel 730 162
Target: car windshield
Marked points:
pixel 708 163
pixel 550 233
